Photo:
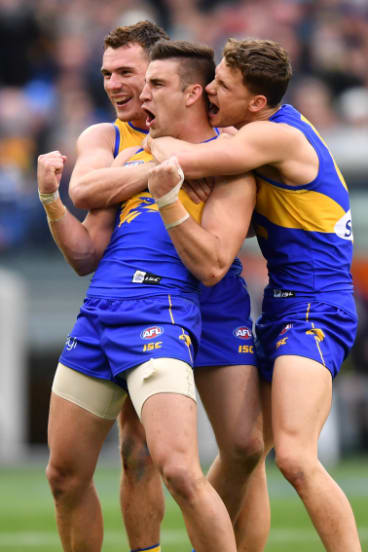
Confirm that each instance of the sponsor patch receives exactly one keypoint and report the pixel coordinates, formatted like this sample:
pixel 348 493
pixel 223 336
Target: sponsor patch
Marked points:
pixel 140 277
pixel 283 293
pixel 242 332
pixel 343 227
pixel 71 343
pixel 151 332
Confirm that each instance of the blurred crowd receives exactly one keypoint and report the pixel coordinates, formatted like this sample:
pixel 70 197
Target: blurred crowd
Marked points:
pixel 51 87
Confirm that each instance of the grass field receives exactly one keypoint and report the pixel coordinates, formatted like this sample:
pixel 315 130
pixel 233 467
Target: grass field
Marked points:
pixel 27 515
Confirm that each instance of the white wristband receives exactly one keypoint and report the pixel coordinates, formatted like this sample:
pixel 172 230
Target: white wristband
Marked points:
pixel 177 222
pixel 48 198
pixel 173 194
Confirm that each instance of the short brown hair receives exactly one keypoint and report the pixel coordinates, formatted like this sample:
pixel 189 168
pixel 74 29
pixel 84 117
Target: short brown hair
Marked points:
pixel 197 63
pixel 264 64
pixel 144 33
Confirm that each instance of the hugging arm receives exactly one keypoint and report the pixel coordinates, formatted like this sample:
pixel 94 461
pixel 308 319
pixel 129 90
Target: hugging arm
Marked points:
pixel 207 249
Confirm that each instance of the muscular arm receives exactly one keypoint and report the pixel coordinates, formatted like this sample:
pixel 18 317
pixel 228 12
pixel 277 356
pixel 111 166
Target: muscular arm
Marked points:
pixel 208 250
pixel 82 244
pixel 255 145
pixel 98 180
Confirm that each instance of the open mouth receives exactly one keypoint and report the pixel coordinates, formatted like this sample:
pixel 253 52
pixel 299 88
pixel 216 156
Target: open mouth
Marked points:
pixel 212 109
pixel 150 117
pixel 121 103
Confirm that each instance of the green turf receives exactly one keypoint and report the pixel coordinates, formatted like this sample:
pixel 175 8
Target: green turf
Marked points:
pixel 27 515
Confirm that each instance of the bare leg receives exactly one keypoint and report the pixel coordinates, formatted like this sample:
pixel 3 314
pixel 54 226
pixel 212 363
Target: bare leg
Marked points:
pixel 253 524
pixel 301 401
pixel 75 439
pixel 231 397
pixel 170 421
pixel 141 494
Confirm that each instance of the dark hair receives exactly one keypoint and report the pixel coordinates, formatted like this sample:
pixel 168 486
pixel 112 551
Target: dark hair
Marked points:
pixel 144 33
pixel 196 65
pixel 264 64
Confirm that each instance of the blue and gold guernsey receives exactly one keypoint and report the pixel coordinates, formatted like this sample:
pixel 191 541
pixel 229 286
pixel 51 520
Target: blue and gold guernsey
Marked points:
pixel 141 258
pixel 127 135
pixel 143 303
pixel 305 232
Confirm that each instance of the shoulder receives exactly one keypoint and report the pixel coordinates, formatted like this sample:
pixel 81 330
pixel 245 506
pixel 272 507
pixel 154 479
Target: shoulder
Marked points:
pixel 98 135
pixel 269 131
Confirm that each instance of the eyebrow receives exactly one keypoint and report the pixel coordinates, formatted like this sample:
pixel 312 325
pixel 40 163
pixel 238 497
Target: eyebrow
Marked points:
pixel 121 68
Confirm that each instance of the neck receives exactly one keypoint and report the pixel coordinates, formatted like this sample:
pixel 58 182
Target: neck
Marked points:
pixel 262 115
pixel 139 123
pixel 196 130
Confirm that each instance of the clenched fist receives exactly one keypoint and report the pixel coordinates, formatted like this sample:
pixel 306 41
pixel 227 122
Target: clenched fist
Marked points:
pixel 165 181
pixel 49 170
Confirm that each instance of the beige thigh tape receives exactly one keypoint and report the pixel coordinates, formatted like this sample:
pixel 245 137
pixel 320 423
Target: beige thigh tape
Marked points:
pixel 100 397
pixel 159 375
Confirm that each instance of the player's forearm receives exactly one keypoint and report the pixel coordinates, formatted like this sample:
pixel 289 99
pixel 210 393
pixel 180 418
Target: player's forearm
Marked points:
pixel 200 251
pixel 109 186
pixel 74 242
pixel 220 157
pixel 194 165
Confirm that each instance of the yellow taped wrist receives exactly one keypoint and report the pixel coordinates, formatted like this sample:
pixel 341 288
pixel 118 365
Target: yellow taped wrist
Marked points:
pixel 174 214
pixel 55 210
pixel 48 198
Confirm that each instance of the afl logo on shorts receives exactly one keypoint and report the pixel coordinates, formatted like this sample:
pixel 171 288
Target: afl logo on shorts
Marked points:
pixel 242 332
pixel 285 329
pixel 152 332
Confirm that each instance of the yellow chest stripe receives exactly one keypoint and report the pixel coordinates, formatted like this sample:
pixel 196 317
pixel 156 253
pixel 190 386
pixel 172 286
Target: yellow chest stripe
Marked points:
pixel 300 209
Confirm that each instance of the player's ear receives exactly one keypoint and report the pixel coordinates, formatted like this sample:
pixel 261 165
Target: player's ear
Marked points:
pixel 193 92
pixel 258 102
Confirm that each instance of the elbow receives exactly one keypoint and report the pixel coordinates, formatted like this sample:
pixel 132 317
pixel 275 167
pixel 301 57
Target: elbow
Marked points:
pixel 212 276
pixel 81 270
pixel 83 267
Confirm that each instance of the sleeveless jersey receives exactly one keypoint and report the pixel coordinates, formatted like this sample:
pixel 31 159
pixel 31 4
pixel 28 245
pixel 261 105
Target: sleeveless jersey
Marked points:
pixel 305 232
pixel 141 258
pixel 127 135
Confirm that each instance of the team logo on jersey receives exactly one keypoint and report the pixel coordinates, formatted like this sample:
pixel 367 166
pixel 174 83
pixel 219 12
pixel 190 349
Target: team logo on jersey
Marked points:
pixel 281 342
pixel 343 227
pixel 71 343
pixel 152 332
pixel 139 204
pixel 285 329
pixel 242 332
pixel 317 332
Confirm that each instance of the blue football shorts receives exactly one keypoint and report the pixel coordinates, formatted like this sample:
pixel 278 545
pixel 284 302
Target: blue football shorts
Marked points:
pixel 311 329
pixel 227 337
pixel 112 335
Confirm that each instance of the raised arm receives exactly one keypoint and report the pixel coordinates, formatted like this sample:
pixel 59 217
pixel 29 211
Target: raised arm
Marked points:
pixel 82 244
pixel 207 250
pixel 98 180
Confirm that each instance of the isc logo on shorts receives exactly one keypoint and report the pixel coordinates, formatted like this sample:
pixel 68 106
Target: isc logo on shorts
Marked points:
pixel 242 332
pixel 152 332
